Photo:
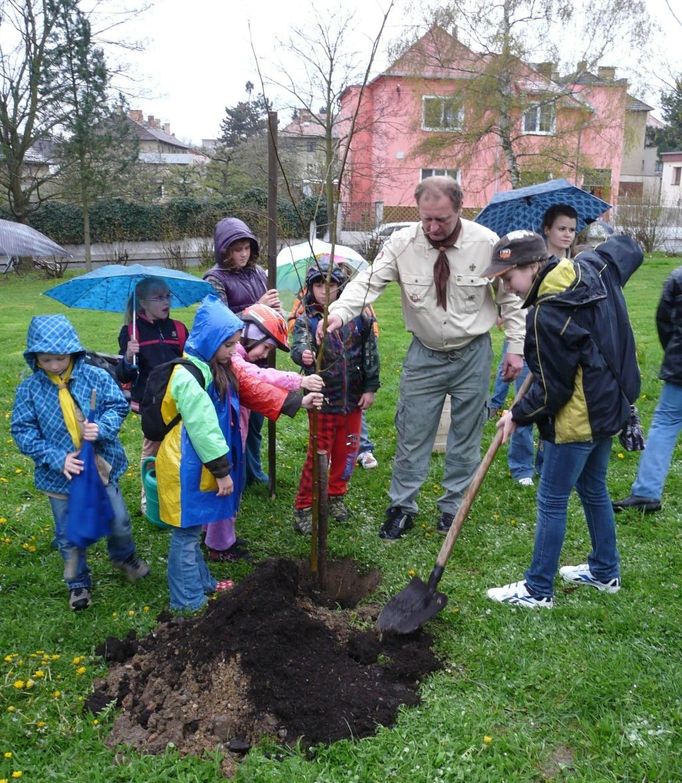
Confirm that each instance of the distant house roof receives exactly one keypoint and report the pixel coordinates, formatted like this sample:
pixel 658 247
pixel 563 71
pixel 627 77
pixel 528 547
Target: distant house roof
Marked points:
pixel 172 158
pixel 145 132
pixel 634 104
pixel 42 151
pixel 304 125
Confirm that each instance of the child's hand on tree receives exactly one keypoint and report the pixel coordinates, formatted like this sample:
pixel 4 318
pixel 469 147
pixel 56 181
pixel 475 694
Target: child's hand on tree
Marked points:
pixel 225 486
pixel 312 400
pixel 366 401
pixel 308 357
pixel 90 430
pixel 72 465
pixel 312 383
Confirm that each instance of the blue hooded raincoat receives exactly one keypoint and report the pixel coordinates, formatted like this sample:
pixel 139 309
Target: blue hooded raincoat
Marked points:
pixel 208 431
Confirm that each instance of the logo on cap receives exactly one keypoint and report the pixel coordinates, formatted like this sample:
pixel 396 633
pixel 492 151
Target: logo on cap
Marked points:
pixel 505 254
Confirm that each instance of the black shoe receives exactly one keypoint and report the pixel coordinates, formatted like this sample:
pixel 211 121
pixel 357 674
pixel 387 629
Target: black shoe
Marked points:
pixel 444 523
pixel 647 505
pixel 396 524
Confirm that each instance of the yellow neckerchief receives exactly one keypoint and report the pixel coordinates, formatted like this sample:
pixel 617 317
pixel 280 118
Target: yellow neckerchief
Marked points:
pixel 67 403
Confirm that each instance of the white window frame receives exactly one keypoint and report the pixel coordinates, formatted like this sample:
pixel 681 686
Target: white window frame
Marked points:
pixel 677 175
pixel 443 127
pixel 435 172
pixel 534 113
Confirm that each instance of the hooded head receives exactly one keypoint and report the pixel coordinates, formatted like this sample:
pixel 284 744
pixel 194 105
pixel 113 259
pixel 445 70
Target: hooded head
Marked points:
pixel 51 334
pixel 319 272
pixel 213 325
pixel 229 230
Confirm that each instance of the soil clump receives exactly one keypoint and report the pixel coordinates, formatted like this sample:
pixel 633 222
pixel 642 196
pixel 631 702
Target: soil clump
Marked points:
pixel 272 658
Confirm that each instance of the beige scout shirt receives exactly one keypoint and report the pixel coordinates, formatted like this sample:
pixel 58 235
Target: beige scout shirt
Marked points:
pixel 408 258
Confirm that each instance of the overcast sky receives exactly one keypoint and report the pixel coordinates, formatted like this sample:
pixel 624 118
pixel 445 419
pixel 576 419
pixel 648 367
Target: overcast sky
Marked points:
pixel 198 55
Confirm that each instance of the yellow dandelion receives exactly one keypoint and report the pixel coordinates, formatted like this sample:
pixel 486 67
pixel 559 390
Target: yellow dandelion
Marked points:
pixel 18 470
pixel 114 615
pixel 56 694
pixel 30 683
pixel 7 754
pixel 145 608
pixel 4 780
pixel 55 657
pixel 39 674
pixel 9 658
pixel 411 572
pixel 41 724
pixel 131 613
pixel 78 659
pixel 487 740
pixel 620 455
pixel 81 670
pixel 3 521
pixel 17 773
pixel 513 522
pixel 19 684
pixel 3 480
pixel 95 722
pixel 11 708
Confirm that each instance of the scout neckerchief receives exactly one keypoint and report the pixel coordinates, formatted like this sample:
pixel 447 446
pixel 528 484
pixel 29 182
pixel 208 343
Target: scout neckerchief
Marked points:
pixel 441 269
pixel 67 403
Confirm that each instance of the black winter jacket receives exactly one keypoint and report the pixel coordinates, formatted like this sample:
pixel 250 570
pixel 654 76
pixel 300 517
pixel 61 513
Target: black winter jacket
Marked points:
pixel 669 325
pixel 160 341
pixel 580 347
pixel 350 363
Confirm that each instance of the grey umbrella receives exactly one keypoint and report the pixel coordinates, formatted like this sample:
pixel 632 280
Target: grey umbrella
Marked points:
pixel 16 239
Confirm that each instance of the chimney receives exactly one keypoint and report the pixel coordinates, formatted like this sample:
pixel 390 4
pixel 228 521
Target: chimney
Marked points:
pixel 136 115
pixel 581 67
pixel 546 69
pixel 152 122
pixel 166 128
pixel 606 74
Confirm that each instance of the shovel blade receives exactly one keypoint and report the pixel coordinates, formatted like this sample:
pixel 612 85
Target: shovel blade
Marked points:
pixel 410 608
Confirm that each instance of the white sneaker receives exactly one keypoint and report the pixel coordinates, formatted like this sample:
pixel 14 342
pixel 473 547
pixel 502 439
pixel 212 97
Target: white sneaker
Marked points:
pixel 367 460
pixel 526 481
pixel 581 575
pixel 518 594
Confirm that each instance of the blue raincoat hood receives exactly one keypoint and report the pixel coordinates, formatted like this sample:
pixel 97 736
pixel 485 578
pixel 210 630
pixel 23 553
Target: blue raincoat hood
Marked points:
pixel 229 230
pixel 51 334
pixel 214 323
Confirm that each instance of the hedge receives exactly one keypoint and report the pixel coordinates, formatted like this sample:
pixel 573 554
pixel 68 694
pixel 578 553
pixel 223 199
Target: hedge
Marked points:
pixel 117 220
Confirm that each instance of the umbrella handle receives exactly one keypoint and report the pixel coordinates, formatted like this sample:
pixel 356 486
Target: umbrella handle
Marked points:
pixel 93 404
pixel 134 327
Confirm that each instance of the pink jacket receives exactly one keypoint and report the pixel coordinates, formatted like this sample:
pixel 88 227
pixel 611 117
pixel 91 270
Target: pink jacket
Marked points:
pixel 289 381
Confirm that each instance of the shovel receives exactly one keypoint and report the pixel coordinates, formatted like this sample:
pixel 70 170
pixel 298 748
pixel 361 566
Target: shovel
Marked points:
pixel 420 601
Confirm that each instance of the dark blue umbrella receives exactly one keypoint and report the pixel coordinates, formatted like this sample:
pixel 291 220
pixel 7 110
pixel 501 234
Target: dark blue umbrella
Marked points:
pixel 90 511
pixel 525 207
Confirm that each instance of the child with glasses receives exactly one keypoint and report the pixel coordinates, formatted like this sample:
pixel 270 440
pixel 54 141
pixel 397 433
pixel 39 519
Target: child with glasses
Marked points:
pixel 152 337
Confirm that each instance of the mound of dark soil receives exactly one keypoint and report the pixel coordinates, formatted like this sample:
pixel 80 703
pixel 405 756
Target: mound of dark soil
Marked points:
pixel 270 658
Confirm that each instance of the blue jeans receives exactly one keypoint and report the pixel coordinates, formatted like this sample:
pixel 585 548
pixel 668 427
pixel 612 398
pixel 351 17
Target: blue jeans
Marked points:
pixel 120 543
pixel 252 461
pixel 365 441
pixel 565 466
pixel 520 452
pixel 189 580
pixel 654 462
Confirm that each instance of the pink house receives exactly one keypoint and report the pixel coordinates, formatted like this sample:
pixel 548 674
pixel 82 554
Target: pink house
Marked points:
pixel 431 112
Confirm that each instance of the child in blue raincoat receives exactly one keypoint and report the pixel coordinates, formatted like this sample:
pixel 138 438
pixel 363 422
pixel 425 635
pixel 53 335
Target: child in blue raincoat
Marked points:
pixel 200 463
pixel 48 424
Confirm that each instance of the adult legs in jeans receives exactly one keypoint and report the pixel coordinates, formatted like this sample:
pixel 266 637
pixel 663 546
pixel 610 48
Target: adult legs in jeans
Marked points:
pixel 252 459
pixel 583 466
pixel 120 543
pixel 426 378
pixel 189 580
pixel 654 462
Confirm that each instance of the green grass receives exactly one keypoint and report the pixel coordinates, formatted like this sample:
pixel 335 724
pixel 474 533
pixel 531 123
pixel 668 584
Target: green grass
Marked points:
pixel 590 691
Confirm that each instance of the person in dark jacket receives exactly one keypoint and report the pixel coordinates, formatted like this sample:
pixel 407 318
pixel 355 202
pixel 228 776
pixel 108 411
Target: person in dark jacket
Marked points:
pixel 240 283
pixel 350 370
pixel 654 462
pixel 148 338
pixel 580 348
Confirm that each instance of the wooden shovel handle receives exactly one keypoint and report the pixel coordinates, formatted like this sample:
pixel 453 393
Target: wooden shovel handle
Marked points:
pixel 476 481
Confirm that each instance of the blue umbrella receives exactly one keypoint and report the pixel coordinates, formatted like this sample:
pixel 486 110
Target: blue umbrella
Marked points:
pixel 110 287
pixel 90 511
pixel 525 207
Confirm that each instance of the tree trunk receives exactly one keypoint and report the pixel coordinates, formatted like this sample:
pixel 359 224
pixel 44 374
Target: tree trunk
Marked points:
pixel 86 232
